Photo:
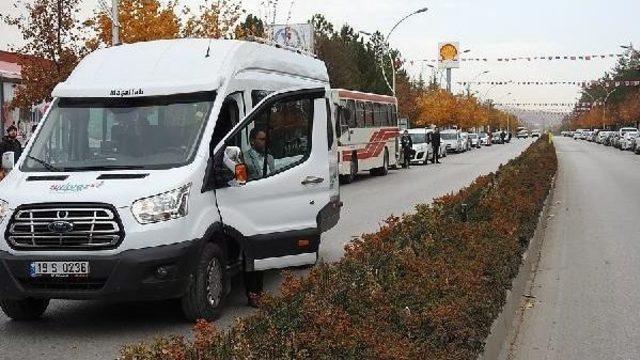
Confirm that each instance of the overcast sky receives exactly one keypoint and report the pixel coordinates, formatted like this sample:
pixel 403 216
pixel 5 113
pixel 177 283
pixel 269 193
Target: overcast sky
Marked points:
pixel 490 28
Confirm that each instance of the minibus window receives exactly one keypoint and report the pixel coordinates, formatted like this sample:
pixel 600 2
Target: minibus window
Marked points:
pixel 120 133
pixel 283 133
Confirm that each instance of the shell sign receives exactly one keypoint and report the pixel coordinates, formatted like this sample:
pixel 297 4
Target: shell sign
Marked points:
pixel 449 55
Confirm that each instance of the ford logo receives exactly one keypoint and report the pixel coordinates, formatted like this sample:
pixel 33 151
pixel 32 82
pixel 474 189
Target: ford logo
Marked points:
pixel 60 227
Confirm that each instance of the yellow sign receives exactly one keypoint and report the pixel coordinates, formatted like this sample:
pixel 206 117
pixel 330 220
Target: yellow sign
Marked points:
pixel 449 55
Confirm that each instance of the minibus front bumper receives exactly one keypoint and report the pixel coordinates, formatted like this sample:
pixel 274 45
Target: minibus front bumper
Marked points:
pixel 157 273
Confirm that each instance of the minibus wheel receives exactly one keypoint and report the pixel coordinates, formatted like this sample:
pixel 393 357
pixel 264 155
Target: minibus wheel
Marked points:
pixel 206 292
pixel 25 309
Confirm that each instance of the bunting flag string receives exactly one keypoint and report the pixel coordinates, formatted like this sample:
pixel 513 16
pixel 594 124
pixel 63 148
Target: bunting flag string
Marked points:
pixel 572 104
pixel 585 84
pixel 532 58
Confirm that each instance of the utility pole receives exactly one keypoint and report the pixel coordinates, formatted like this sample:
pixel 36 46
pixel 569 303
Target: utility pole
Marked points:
pixel 115 24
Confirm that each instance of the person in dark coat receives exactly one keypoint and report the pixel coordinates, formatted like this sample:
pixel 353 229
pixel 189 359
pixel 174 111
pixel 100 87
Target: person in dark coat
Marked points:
pixel 407 148
pixel 435 145
pixel 11 143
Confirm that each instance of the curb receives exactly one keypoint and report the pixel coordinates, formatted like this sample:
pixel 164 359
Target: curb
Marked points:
pixel 497 344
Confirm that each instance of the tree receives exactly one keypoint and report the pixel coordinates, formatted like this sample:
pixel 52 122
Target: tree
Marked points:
pixel 54 43
pixel 251 26
pixel 216 19
pixel 140 20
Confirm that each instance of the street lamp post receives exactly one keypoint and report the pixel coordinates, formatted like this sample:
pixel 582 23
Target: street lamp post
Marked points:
pixel 604 110
pixel 388 50
pixel 474 79
pixel 449 73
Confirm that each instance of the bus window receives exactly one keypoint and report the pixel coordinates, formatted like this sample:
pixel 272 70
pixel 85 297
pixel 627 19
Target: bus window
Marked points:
pixel 377 115
pixel 360 123
pixel 368 114
pixel 394 115
pixel 351 105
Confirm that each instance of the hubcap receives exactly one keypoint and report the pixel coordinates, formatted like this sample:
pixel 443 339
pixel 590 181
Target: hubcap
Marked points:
pixel 214 282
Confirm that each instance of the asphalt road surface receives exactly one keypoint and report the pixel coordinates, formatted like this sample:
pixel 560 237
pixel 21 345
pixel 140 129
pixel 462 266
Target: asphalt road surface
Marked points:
pixel 96 330
pixel 586 292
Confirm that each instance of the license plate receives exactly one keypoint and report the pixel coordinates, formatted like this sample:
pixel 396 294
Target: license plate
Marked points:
pixel 59 268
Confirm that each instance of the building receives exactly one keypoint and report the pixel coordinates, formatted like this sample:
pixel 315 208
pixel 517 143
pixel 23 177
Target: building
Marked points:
pixel 10 79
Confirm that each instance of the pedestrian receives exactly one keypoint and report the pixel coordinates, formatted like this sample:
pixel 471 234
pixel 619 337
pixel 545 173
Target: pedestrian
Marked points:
pixel 435 145
pixel 502 136
pixel 407 149
pixel 11 143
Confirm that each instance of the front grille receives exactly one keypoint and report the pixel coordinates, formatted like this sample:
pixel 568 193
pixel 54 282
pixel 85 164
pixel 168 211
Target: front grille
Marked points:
pixel 51 283
pixel 64 227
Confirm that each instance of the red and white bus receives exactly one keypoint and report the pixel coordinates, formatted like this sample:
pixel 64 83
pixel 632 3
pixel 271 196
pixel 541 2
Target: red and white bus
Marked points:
pixel 367 133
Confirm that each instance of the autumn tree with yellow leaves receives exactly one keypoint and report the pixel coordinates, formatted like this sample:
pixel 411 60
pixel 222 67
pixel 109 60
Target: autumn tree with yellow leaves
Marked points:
pixel 140 20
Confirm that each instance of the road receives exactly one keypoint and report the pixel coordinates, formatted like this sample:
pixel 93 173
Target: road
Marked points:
pixel 585 293
pixel 96 330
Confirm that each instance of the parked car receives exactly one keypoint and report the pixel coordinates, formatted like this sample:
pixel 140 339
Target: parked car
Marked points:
pixel 466 142
pixel 484 139
pixel 610 138
pixel 497 137
pixel 636 147
pixel 627 141
pixel 602 136
pixel 420 137
pixel 535 134
pixel 523 134
pixel 475 140
pixel 452 140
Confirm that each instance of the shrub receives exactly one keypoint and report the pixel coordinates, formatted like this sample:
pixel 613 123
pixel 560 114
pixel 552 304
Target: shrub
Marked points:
pixel 427 285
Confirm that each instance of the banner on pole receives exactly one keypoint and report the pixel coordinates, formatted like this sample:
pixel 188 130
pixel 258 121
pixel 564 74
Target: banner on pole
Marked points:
pixel 299 36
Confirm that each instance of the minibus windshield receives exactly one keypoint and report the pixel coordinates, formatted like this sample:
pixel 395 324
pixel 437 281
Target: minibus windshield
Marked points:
pixel 120 133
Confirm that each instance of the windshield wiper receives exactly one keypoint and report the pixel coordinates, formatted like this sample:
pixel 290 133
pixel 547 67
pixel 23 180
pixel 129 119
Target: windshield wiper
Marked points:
pixel 45 164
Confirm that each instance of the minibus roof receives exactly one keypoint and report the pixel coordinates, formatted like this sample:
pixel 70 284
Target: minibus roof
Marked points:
pixel 166 67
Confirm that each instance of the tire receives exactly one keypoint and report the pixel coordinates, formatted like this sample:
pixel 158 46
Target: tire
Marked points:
pixel 207 291
pixel 353 171
pixel 28 309
pixel 384 170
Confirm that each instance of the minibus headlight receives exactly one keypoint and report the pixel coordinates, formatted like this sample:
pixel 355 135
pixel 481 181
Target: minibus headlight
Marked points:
pixel 162 207
pixel 4 209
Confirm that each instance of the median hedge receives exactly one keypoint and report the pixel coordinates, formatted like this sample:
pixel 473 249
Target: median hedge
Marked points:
pixel 426 286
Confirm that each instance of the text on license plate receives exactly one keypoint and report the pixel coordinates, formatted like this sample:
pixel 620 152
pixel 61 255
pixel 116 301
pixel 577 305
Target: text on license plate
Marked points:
pixel 59 268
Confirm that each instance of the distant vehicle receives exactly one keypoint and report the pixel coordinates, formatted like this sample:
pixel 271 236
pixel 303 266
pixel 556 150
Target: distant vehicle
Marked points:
pixel 484 139
pixel 466 142
pixel 475 140
pixel 523 134
pixel 628 140
pixel 535 134
pixel 452 140
pixel 624 130
pixel 367 133
pixel 497 138
pixel 602 136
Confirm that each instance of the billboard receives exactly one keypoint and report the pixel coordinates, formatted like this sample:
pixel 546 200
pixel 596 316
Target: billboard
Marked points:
pixel 299 36
pixel 449 55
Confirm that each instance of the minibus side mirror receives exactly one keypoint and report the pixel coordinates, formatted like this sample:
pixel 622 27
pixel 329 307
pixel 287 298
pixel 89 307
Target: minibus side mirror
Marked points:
pixel 8 161
pixel 232 160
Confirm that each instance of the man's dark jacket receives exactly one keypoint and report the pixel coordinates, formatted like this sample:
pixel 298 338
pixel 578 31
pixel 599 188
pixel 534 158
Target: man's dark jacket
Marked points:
pixel 9 144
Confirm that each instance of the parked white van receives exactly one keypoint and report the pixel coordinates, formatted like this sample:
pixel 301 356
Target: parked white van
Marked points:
pixel 164 168
pixel 452 139
pixel 421 139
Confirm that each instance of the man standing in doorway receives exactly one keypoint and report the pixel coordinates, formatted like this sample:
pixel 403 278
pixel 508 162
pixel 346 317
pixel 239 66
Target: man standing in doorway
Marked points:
pixel 435 144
